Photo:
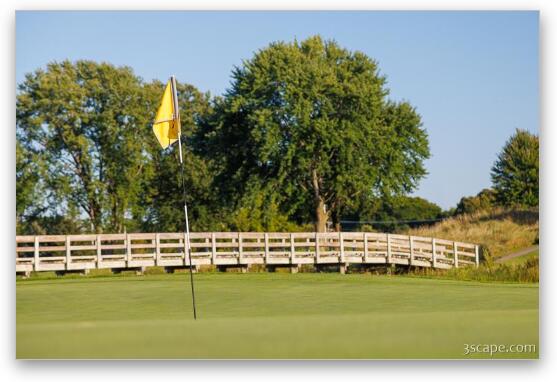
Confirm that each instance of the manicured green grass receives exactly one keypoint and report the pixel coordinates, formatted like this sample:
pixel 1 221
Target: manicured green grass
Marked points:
pixel 271 316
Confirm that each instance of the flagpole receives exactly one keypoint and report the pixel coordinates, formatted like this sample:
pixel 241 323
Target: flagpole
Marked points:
pixel 187 244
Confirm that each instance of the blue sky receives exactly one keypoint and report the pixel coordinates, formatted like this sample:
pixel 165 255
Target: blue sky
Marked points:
pixel 473 76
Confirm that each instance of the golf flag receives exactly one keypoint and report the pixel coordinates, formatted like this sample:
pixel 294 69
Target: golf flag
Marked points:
pixel 167 121
pixel 167 130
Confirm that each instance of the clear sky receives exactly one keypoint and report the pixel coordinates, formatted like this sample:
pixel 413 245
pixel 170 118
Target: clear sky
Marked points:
pixel 473 76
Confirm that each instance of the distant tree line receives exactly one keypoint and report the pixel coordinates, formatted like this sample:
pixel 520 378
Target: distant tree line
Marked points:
pixel 514 175
pixel 304 137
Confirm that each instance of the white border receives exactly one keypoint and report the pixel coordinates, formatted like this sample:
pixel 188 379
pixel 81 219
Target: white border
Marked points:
pixel 545 369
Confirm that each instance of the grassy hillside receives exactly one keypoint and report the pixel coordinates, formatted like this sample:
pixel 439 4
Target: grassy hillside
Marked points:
pixel 500 231
pixel 272 316
pixel 523 259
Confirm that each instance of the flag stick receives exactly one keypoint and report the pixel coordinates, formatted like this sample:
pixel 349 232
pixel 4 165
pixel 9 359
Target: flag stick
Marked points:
pixel 187 244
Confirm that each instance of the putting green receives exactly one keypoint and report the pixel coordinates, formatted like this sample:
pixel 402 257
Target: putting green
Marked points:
pixel 266 315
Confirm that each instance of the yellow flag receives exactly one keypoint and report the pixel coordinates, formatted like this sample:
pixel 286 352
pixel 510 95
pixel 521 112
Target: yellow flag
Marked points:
pixel 167 121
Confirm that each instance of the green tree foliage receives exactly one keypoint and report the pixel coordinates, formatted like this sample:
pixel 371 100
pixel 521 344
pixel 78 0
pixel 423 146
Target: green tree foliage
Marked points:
pixel 86 152
pixel 259 211
pixel 27 186
pixel 398 213
pixel 32 194
pixel 161 205
pixel 485 200
pixel 310 123
pixel 84 121
pixel 305 134
pixel 515 174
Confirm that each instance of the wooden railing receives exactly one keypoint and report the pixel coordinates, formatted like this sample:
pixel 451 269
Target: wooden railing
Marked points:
pixel 138 250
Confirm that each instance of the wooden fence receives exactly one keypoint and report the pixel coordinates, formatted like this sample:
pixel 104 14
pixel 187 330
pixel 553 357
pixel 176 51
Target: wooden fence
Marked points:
pixel 240 249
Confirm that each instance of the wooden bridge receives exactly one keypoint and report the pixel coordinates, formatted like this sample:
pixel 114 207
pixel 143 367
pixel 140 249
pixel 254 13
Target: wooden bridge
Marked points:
pixel 66 253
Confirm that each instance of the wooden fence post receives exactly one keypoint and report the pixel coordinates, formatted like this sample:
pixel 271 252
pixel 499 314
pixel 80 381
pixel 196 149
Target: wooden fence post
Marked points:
pixel 240 251
pixel 316 247
pixel 341 244
pixel 433 254
pixel 292 248
pixel 411 262
pixel 366 248
pixel 36 253
pixel 128 249
pixel 68 252
pixel 214 248
pixel 157 248
pixel 99 250
pixel 389 255
pixel 477 256
pixel 455 254
pixel 266 248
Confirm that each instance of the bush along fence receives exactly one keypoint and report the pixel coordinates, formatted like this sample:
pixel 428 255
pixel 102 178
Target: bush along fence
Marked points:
pixel 135 251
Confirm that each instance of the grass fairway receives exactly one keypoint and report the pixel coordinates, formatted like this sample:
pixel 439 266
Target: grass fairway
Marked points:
pixel 266 315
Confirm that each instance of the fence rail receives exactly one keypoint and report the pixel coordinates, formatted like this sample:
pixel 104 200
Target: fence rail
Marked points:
pixel 138 250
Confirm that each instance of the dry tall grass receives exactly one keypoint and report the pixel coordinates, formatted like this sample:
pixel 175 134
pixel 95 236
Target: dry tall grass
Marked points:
pixel 526 272
pixel 500 231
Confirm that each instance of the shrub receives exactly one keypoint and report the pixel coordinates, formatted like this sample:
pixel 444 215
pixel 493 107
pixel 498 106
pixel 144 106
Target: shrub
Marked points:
pixel 527 272
pixel 484 201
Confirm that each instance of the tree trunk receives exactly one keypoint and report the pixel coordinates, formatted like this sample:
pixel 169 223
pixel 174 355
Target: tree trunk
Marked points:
pixel 95 216
pixel 335 217
pixel 321 216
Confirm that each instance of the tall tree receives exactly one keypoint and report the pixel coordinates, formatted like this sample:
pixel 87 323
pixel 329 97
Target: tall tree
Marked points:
pixel 311 123
pixel 86 122
pixel 86 152
pixel 29 198
pixel 515 174
pixel 162 203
